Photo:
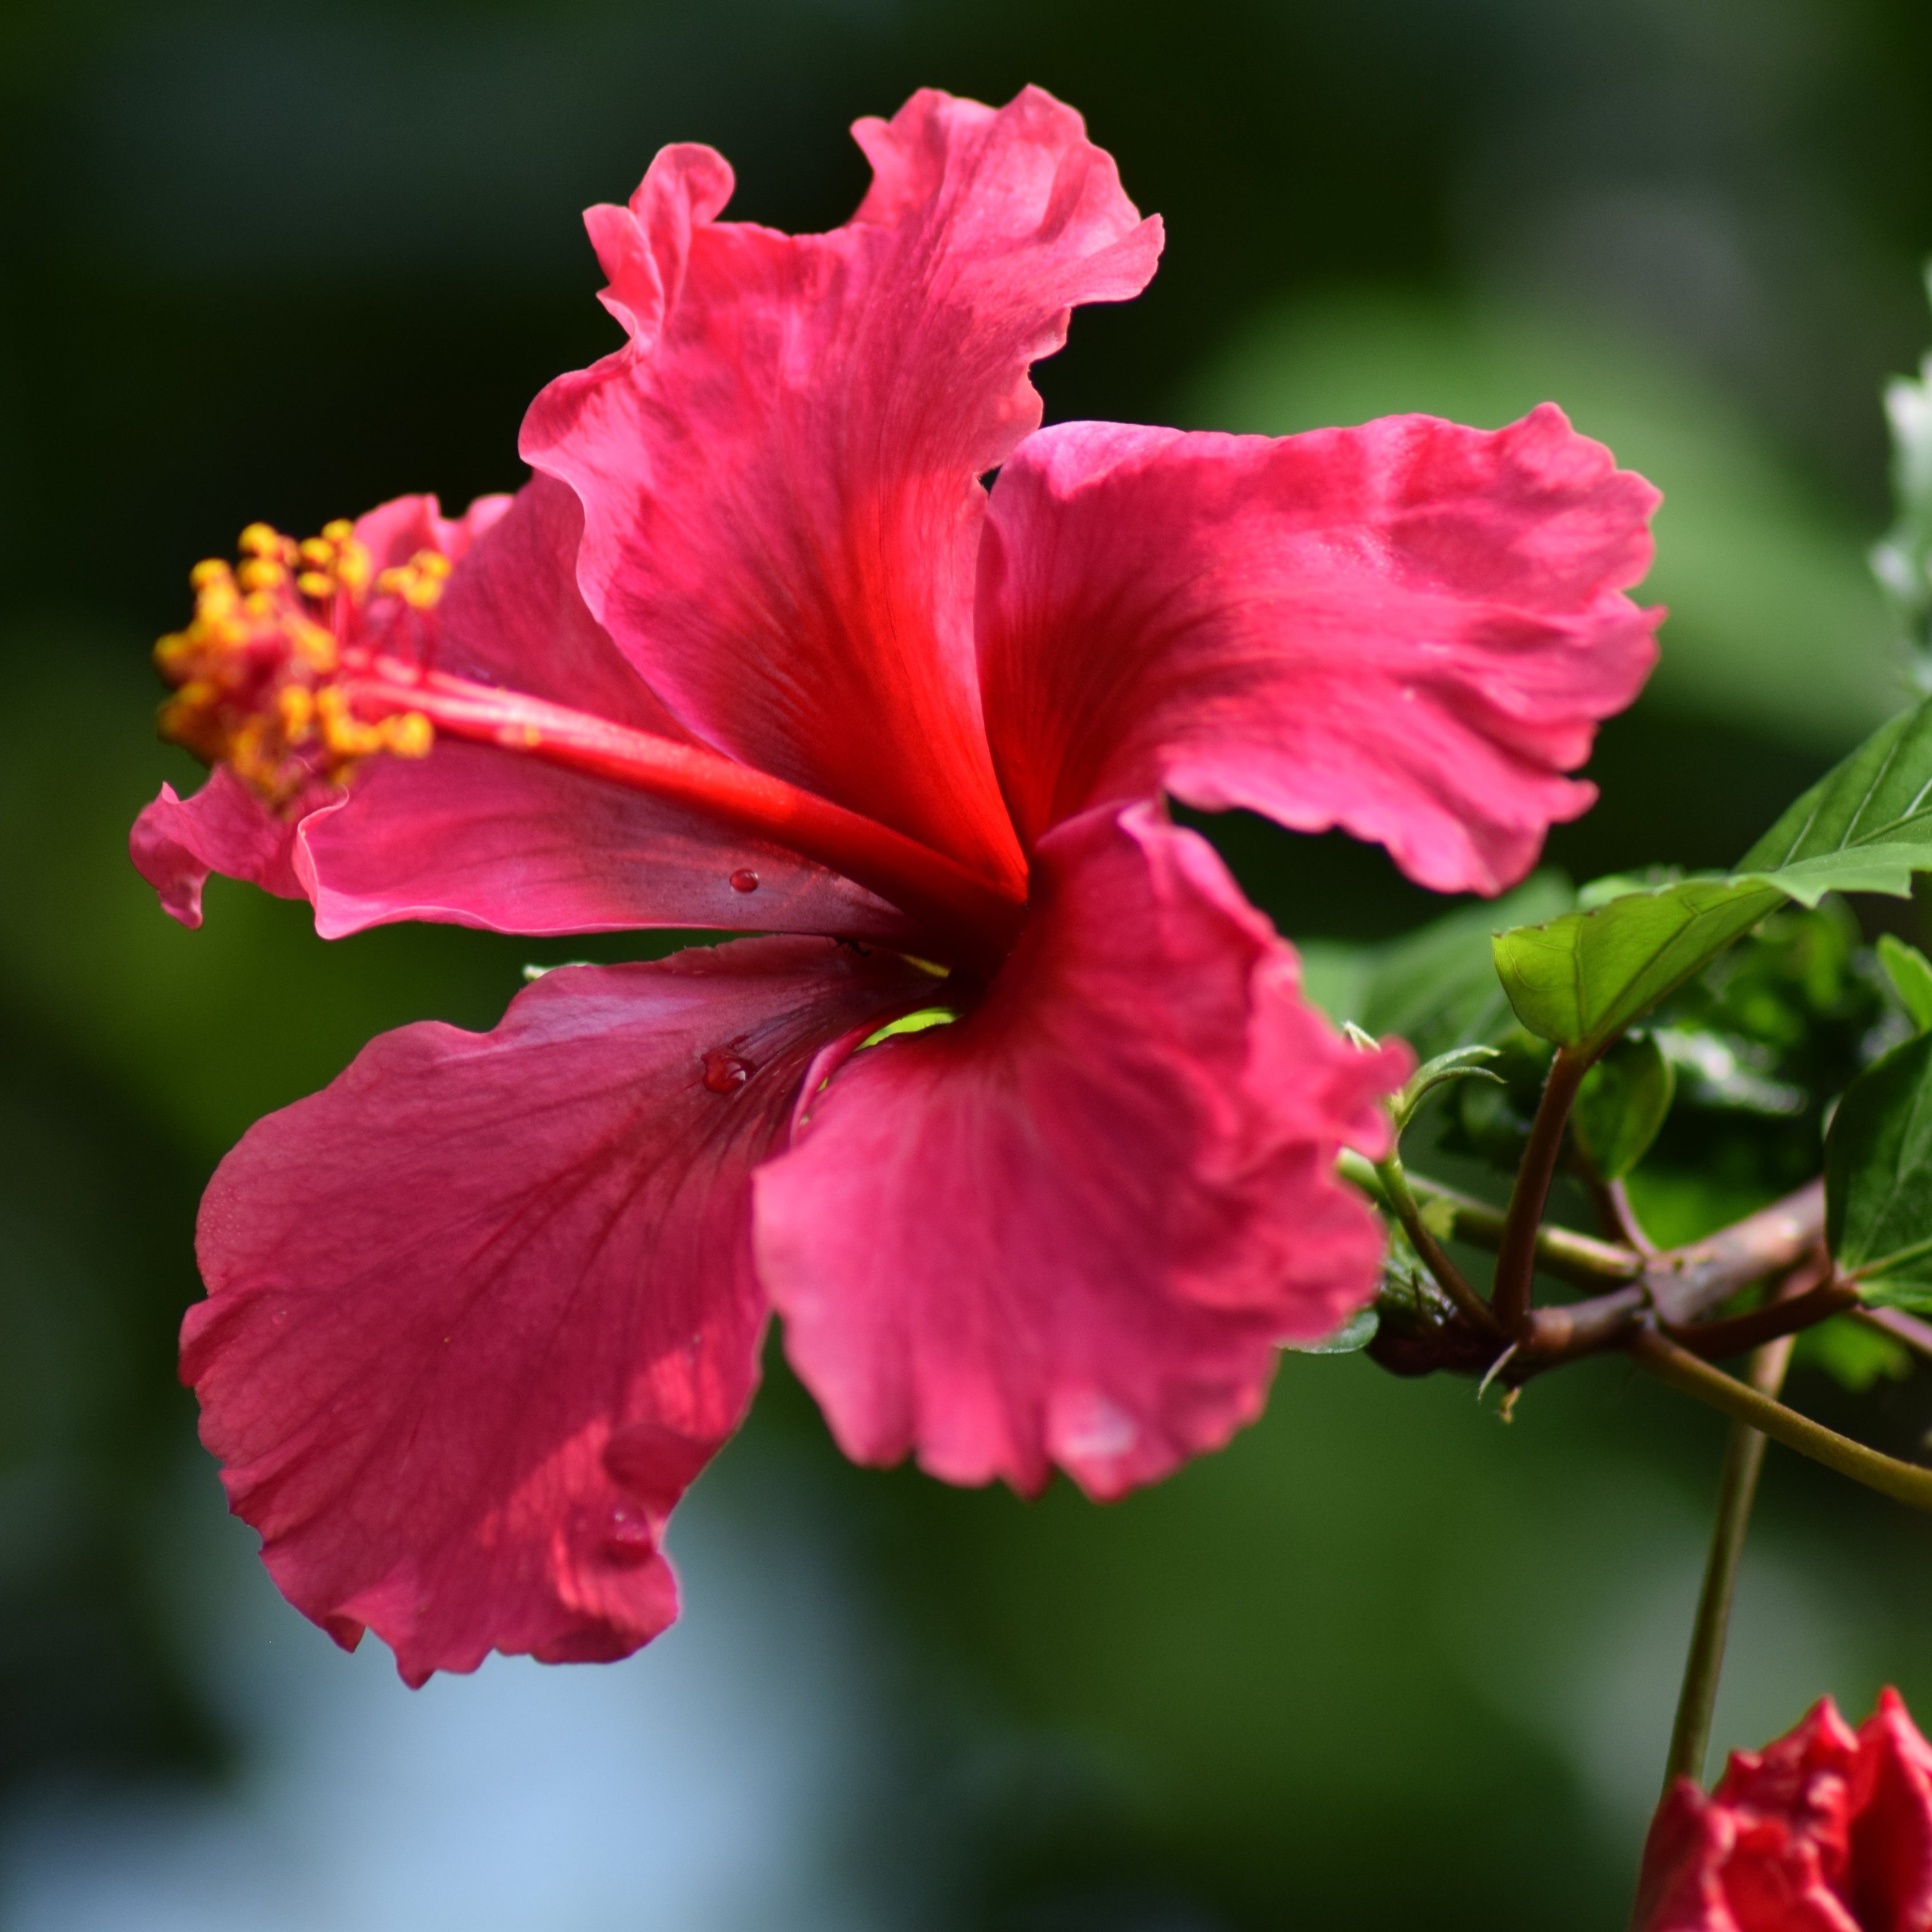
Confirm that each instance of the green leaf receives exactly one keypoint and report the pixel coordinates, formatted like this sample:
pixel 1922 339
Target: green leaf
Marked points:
pixel 1459 1063
pixel 1580 980
pixel 1865 826
pixel 1882 794
pixel 1621 1105
pixel 1914 1296
pixel 1719 1073
pixel 1878 1177
pixel 1353 1335
pixel 1491 1119
pixel 1910 973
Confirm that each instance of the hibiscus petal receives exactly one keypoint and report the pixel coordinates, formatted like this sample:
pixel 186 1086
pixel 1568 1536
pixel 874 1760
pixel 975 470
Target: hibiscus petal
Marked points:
pixel 176 842
pixel 476 836
pixel 1680 1888
pixel 1889 1877
pixel 1409 630
pixel 1071 1227
pixel 779 473
pixel 394 531
pixel 513 615
pixel 471 838
pixel 480 1310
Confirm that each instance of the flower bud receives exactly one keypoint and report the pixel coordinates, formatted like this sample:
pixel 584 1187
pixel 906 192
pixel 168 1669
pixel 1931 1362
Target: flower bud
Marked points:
pixel 1827 1830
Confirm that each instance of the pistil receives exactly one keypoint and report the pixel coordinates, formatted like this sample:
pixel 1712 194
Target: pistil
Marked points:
pixel 975 919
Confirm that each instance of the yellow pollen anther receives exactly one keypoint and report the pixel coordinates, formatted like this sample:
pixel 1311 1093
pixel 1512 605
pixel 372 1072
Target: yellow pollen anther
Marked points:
pixel 343 733
pixel 410 736
pixel 258 682
pixel 314 645
pixel 418 582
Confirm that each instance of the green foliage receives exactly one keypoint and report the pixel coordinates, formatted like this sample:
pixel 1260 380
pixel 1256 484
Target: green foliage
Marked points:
pixel 1459 1063
pixel 1910 973
pixel 1902 562
pixel 1761 1043
pixel 1877 802
pixel 1437 987
pixel 1878 1178
pixel 1580 980
pixel 1622 1106
pixel 1855 1357
pixel 1353 1335
pixel 1491 1119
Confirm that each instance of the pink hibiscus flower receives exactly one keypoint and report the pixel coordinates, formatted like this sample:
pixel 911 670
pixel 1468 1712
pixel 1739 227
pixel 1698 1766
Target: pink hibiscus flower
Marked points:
pixel 757 649
pixel 1827 1830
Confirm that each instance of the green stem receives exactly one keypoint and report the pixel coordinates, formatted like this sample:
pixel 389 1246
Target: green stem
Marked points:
pixel 1395 1190
pixel 1744 1459
pixel 1679 1369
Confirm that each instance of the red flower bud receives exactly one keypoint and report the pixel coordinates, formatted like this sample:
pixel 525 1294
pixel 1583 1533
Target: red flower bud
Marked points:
pixel 1827 1830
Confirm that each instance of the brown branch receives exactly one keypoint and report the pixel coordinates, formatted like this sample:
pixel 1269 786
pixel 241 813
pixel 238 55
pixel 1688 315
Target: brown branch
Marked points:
pixel 1686 1282
pixel 1565 1331
pixel 1612 1203
pixel 1680 1284
pixel 1516 1253
pixel 1714 1340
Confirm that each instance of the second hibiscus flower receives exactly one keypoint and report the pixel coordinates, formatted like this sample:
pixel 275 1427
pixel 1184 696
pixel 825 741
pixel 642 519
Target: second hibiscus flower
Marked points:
pixel 758 650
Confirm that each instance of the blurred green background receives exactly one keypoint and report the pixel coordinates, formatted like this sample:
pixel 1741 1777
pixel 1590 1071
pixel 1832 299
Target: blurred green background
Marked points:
pixel 1384 1662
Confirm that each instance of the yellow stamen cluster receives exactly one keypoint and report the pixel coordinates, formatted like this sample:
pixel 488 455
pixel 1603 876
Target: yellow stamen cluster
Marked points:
pixel 255 673
pixel 419 582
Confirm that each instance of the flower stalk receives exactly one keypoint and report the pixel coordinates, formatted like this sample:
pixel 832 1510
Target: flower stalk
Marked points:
pixel 1737 1490
pixel 1394 1188
pixel 1690 1374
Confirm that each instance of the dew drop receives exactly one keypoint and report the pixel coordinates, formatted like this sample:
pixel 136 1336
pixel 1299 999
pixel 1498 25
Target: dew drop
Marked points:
pixel 1088 1425
pixel 628 1540
pixel 726 1072
pixel 744 881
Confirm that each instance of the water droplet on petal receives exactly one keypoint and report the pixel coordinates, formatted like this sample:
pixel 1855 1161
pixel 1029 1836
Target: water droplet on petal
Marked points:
pixel 726 1072
pixel 1090 1426
pixel 628 1540
pixel 744 879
